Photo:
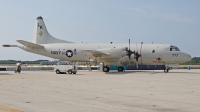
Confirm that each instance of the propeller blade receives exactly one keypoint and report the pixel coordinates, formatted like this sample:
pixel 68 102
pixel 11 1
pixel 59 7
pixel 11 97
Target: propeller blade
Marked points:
pixel 137 64
pixel 136 59
pixel 129 44
pixel 129 51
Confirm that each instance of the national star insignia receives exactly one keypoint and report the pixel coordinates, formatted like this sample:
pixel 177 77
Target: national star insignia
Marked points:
pixel 69 54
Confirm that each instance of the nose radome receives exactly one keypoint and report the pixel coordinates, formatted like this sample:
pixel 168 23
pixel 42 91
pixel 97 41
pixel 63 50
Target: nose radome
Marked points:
pixel 185 57
pixel 189 57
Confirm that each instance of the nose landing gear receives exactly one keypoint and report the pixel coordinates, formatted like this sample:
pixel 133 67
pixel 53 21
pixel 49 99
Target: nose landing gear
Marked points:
pixel 167 68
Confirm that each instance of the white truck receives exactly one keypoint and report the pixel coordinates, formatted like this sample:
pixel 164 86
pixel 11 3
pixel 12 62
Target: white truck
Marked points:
pixel 65 68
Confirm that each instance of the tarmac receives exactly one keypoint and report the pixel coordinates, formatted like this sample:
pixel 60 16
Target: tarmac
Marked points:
pixel 130 91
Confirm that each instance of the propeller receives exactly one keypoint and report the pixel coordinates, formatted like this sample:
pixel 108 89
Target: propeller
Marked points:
pixel 136 55
pixel 129 52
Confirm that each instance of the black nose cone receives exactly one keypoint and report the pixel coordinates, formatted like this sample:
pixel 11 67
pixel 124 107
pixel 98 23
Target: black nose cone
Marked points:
pixel 39 17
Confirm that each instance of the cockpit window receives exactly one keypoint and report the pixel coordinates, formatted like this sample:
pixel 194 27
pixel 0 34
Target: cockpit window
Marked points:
pixel 174 48
pixel 177 49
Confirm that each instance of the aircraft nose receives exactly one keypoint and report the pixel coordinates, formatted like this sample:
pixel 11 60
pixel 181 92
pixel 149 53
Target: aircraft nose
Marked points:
pixel 187 57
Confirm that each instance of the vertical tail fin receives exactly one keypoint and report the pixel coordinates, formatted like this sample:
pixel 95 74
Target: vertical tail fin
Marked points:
pixel 42 36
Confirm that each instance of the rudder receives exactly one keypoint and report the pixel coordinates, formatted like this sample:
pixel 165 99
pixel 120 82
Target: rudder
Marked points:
pixel 41 35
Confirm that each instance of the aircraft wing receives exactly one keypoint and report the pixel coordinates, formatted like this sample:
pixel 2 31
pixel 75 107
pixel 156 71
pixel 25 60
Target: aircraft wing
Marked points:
pixel 106 53
pixel 94 53
pixel 30 45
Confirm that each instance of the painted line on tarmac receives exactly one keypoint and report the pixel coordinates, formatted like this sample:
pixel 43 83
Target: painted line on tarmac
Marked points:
pixel 9 109
pixel 26 77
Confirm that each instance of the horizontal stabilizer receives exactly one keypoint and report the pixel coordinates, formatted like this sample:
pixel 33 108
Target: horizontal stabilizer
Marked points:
pixel 30 45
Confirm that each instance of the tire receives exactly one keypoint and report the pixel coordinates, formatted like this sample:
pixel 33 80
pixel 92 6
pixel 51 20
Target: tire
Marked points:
pixel 120 69
pixel 69 72
pixel 74 72
pixel 57 72
pixel 166 70
pixel 106 69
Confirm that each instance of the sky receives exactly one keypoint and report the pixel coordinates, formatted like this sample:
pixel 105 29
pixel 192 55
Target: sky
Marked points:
pixel 175 22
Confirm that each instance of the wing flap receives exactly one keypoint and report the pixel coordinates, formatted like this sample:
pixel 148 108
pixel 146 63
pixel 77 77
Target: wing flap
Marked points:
pixel 30 45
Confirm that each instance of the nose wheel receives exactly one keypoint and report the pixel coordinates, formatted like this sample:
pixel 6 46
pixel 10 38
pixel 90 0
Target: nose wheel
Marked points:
pixel 166 70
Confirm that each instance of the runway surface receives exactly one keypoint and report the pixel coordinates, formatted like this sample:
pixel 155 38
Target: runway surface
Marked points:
pixel 131 91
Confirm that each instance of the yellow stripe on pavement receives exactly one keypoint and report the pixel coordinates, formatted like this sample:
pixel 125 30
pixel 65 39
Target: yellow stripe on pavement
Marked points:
pixel 9 109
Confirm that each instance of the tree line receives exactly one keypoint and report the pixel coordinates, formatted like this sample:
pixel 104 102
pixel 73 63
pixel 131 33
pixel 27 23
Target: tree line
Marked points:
pixel 19 61
pixel 193 61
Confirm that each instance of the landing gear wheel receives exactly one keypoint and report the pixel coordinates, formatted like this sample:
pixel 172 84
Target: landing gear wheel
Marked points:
pixel 106 69
pixel 166 70
pixel 57 72
pixel 120 69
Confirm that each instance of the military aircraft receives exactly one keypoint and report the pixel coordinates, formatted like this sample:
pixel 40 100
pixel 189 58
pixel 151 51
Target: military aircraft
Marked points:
pixel 109 54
